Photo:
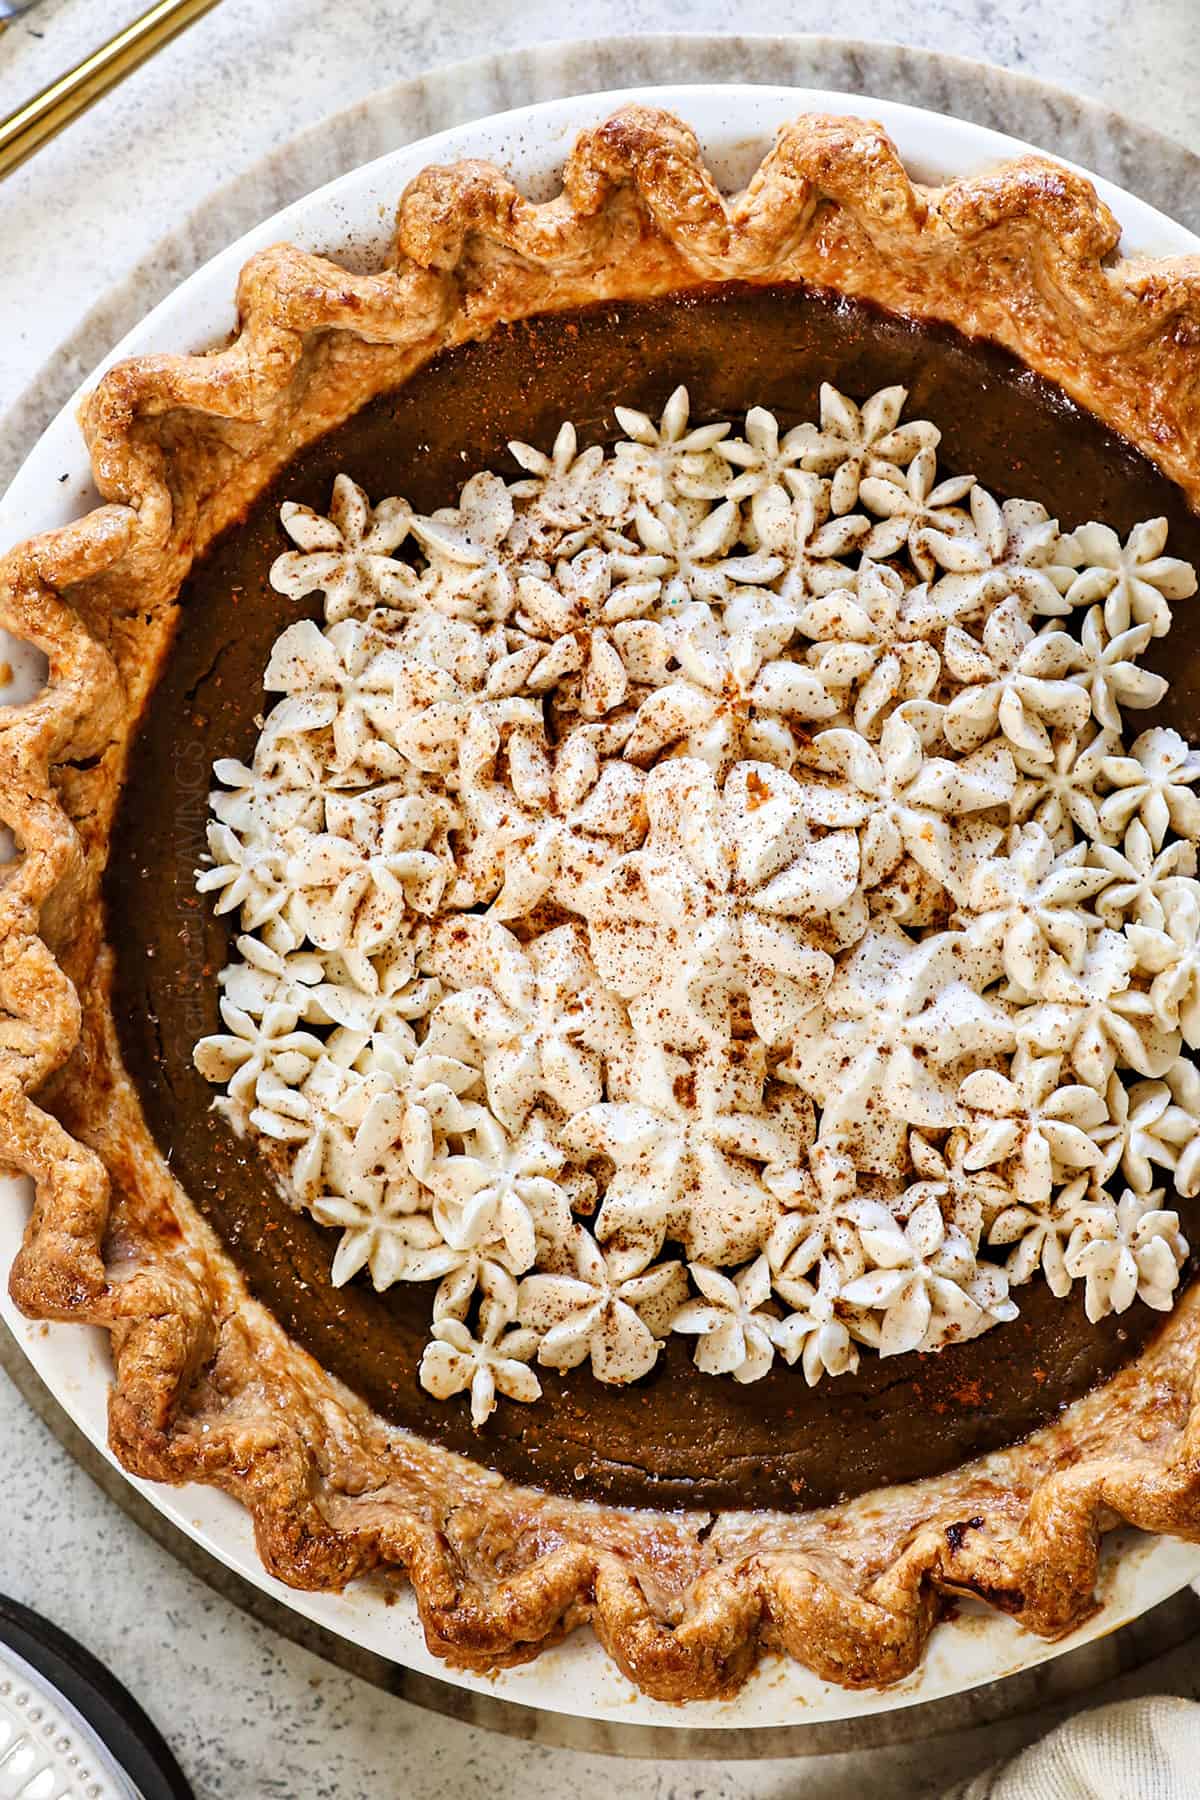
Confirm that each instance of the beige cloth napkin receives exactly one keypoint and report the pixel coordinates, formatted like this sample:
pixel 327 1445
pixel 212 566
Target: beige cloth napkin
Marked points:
pixel 1133 1750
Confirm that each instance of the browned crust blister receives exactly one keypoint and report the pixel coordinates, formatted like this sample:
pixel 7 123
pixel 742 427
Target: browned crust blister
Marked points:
pixel 207 1386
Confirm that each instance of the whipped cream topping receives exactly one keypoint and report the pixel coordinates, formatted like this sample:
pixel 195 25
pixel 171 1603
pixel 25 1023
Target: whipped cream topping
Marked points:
pixel 703 886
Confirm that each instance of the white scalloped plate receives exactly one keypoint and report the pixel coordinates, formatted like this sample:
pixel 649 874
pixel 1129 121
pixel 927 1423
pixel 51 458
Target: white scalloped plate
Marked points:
pixel 351 218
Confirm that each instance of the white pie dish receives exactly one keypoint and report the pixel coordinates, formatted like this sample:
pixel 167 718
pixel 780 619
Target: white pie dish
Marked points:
pixel 735 125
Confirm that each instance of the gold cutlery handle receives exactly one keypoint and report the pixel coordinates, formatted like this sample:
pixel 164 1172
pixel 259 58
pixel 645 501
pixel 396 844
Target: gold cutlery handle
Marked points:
pixel 47 113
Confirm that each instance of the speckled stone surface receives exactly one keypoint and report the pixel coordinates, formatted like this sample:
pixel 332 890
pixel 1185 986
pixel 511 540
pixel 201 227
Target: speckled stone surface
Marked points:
pixel 252 1716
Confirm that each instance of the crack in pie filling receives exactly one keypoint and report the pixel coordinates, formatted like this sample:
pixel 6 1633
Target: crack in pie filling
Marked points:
pixel 657 1085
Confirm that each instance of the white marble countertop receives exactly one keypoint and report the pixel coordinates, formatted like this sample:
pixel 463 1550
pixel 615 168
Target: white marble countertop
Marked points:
pixel 250 1715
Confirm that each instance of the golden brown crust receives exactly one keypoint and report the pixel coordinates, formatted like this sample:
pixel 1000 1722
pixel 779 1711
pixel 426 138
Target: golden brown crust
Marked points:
pixel 207 1386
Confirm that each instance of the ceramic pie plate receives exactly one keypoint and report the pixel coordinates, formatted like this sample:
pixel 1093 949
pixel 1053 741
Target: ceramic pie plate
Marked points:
pixel 350 220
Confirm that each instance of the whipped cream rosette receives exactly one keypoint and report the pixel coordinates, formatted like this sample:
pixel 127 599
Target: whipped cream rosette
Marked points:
pixel 706 885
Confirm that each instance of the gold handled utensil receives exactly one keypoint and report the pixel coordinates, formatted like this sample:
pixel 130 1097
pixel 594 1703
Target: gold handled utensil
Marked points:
pixel 47 113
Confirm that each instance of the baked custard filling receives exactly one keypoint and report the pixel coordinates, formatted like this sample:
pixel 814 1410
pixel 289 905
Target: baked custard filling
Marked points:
pixel 704 912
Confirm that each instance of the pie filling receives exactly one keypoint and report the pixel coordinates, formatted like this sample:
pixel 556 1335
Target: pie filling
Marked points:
pixel 704 923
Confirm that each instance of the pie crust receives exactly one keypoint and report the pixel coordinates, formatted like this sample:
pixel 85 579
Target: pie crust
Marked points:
pixel 207 1385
